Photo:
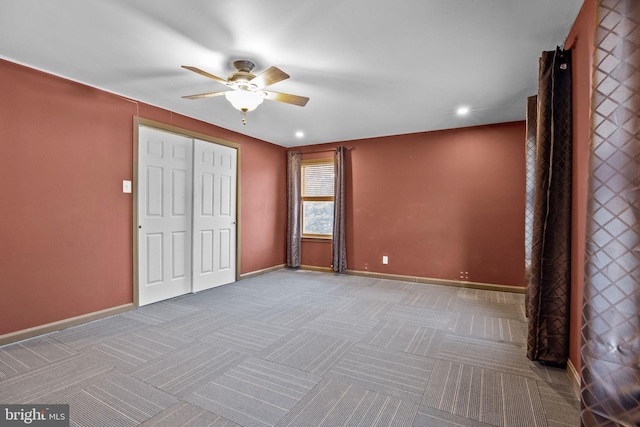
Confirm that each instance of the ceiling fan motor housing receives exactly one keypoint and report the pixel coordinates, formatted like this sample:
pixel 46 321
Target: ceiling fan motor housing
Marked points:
pixel 240 79
pixel 244 65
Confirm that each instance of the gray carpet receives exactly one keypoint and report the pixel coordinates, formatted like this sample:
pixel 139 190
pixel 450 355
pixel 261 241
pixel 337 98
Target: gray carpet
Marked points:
pixel 298 348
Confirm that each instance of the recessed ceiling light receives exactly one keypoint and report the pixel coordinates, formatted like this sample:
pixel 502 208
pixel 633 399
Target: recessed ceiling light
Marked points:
pixel 462 111
pixel 299 134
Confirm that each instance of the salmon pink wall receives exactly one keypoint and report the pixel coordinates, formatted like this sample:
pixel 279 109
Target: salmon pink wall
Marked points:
pixel 581 40
pixel 264 202
pixel 65 225
pixel 316 253
pixel 437 204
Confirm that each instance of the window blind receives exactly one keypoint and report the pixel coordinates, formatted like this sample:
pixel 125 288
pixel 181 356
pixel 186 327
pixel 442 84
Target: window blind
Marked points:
pixel 317 180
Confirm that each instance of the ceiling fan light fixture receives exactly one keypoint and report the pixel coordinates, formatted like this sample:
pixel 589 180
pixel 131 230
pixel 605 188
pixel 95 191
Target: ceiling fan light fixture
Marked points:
pixel 244 100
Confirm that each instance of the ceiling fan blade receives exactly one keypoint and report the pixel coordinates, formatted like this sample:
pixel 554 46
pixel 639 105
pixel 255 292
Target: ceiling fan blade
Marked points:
pixel 204 73
pixel 204 95
pixel 269 77
pixel 285 97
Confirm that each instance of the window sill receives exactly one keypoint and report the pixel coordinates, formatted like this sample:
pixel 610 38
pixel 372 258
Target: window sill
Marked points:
pixel 317 239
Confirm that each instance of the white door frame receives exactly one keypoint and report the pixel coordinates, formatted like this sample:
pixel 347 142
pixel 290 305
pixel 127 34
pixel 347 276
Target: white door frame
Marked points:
pixel 137 121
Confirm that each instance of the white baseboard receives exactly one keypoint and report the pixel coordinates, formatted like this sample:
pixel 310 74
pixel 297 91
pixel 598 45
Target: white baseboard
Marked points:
pixel 314 268
pixel 263 271
pixel 416 279
pixel 574 376
pixel 445 282
pixel 73 321
pixel 62 324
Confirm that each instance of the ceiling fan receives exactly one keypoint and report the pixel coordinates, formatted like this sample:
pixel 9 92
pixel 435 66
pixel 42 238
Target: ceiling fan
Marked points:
pixel 248 89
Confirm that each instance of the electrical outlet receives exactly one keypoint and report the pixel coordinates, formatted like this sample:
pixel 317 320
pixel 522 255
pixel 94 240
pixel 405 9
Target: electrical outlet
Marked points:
pixel 385 259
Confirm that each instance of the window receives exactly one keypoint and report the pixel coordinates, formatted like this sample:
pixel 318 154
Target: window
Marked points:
pixel 317 198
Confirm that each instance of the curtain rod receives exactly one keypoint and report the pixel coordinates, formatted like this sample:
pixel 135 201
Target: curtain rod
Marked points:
pixel 320 151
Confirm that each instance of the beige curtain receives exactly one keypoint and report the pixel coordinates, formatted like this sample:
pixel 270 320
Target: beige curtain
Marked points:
pixel 548 290
pixel 294 197
pixel 610 388
pixel 339 237
pixel 530 149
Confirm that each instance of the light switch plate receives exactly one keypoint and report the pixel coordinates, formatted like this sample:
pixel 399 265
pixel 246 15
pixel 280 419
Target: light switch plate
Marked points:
pixel 126 186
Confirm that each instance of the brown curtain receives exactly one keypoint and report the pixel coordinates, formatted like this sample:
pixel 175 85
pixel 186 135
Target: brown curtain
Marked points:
pixel 339 238
pixel 294 197
pixel 549 286
pixel 610 388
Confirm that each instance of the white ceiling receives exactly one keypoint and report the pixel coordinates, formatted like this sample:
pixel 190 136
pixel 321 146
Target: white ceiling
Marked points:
pixel 370 67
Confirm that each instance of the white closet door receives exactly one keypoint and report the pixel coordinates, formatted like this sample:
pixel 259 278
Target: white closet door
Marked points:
pixel 214 215
pixel 164 215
